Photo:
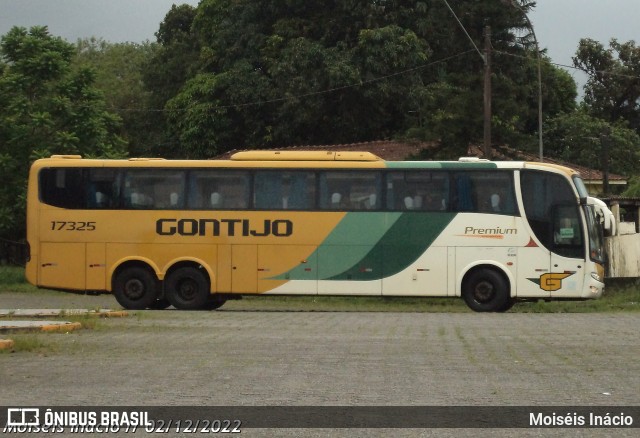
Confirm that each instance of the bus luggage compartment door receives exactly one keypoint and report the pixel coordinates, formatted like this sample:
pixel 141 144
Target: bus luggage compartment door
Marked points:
pixel 244 269
pixel 62 265
pixel 287 269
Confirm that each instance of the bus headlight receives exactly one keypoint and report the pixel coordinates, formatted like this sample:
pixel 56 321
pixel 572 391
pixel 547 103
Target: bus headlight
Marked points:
pixel 596 277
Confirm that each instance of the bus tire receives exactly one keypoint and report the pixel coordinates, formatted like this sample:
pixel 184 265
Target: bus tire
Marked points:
pixel 215 302
pixel 486 290
pixel 160 304
pixel 187 288
pixel 135 288
pixel 510 303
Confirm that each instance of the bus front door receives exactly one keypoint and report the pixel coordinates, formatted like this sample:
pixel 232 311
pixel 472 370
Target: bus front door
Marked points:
pixel 567 253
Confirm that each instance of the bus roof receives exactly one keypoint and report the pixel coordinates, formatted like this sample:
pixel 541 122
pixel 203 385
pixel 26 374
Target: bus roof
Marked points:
pixel 304 156
pixel 303 159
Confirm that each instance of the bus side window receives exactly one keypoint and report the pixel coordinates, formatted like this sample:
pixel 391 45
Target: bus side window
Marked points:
pixel 464 199
pixel 63 187
pixel 284 190
pixel 302 188
pixel 418 190
pixel 485 192
pixel 154 189
pixel 218 189
pixel 350 190
pixel 103 189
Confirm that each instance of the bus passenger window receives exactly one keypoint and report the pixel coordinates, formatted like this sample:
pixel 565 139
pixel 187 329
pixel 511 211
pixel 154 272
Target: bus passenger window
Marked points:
pixel 159 189
pixel 63 187
pixel 418 191
pixel 350 190
pixel 103 190
pixel 284 190
pixel 218 189
pixel 485 192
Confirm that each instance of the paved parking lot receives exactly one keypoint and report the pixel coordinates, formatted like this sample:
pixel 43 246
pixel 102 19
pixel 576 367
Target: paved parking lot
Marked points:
pixel 235 357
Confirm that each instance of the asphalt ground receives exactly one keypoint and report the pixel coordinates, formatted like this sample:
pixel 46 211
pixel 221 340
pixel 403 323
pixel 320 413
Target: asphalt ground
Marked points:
pixel 259 357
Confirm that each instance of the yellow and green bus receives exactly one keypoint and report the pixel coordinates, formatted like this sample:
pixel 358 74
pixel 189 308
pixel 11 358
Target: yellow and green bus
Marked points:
pixel 195 233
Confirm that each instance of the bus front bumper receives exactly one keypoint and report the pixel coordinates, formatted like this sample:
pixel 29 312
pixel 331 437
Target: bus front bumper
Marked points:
pixel 595 287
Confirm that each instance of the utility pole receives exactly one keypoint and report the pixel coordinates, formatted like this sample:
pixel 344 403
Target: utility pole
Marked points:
pixel 604 143
pixel 487 92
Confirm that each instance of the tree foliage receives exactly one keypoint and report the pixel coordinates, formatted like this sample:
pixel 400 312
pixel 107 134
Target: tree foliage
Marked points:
pixel 46 107
pixel 175 59
pixel 276 72
pixel 612 91
pixel 119 76
pixel 577 137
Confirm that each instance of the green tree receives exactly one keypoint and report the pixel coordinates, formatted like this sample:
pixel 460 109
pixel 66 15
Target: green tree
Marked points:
pixel 46 107
pixel 612 91
pixel 119 75
pixel 276 72
pixel 175 59
pixel 576 138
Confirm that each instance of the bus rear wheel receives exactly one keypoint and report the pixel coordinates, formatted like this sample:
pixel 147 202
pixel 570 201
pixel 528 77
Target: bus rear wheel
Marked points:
pixel 187 289
pixel 160 304
pixel 135 288
pixel 486 290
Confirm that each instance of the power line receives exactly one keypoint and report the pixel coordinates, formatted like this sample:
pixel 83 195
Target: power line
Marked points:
pixel 464 30
pixel 589 72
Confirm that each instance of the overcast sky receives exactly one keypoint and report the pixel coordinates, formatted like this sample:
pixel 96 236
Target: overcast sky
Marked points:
pixel 558 24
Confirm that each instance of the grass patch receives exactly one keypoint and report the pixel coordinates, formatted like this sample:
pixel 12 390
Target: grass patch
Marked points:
pixel 27 343
pixel 88 322
pixel 621 295
pixel 346 304
pixel 12 279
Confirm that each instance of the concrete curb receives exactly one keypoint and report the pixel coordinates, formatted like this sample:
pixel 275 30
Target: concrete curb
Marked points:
pixel 6 344
pixel 38 326
pixel 49 313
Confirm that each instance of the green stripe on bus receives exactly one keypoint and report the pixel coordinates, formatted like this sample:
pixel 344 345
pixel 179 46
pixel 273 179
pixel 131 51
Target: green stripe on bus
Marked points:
pixel 370 246
pixel 408 238
pixel 351 240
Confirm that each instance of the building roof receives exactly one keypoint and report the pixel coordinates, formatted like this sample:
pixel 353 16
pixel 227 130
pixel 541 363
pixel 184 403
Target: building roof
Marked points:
pixel 506 153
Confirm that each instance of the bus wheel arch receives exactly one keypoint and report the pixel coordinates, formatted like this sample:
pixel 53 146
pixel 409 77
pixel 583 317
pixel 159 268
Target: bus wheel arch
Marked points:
pixel 135 285
pixel 487 288
pixel 187 286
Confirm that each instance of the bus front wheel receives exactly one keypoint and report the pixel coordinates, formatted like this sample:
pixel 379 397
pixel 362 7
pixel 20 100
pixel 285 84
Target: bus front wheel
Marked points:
pixel 135 288
pixel 486 290
pixel 187 289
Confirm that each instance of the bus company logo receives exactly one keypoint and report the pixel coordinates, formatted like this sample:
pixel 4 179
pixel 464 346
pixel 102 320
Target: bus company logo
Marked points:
pixel 489 233
pixel 224 227
pixel 23 417
pixel 551 281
